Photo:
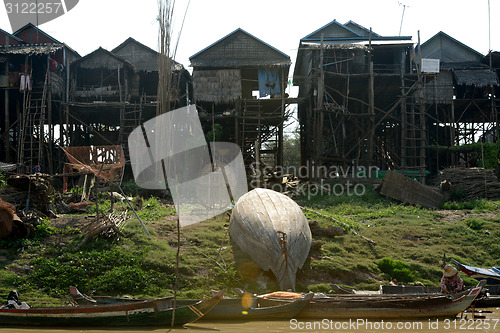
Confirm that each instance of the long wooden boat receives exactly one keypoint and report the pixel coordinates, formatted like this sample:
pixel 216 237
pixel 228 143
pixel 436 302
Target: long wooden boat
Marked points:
pixel 154 312
pixel 388 306
pixel 491 275
pixel 244 308
pixel 272 229
pixel 234 309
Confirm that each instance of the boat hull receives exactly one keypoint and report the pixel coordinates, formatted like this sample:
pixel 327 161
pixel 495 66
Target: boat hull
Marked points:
pixel 492 276
pixel 232 309
pixel 388 306
pixel 157 312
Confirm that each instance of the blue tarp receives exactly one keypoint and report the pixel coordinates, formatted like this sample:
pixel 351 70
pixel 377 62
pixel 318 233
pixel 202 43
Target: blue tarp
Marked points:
pixel 269 83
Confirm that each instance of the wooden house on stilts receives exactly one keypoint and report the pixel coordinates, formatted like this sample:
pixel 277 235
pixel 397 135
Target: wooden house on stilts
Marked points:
pixel 239 85
pixel 115 91
pixel 461 102
pixel 378 101
pixel 34 80
pixel 359 103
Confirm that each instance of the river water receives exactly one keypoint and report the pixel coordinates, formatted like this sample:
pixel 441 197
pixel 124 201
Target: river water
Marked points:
pixel 490 324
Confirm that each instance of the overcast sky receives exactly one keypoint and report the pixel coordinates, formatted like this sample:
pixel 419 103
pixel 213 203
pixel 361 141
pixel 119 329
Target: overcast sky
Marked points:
pixel 280 23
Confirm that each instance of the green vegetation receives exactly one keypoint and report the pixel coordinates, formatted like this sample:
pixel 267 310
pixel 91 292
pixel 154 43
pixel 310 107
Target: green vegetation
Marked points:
pixel 215 134
pixel 291 150
pixel 488 150
pixel 3 179
pixel 112 271
pixel 410 244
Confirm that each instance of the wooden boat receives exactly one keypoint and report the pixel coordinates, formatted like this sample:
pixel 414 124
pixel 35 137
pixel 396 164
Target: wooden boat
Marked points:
pixel 82 299
pixel 247 307
pixel 491 275
pixel 234 309
pixel 388 306
pixel 273 230
pixel 154 312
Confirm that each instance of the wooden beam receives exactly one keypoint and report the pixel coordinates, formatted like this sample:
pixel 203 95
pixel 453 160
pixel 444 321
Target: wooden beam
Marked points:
pixel 7 115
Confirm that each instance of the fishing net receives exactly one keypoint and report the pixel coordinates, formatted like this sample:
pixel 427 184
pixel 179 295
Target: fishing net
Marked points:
pixel 106 162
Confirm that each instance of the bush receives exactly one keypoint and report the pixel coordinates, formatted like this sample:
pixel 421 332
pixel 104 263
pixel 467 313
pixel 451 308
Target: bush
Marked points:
pixel 129 187
pixel 320 288
pixel 474 224
pixel 3 179
pixel 113 271
pixel 396 269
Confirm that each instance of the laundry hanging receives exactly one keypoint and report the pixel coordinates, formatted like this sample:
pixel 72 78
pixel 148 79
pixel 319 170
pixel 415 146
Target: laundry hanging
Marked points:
pixel 25 83
pixel 269 82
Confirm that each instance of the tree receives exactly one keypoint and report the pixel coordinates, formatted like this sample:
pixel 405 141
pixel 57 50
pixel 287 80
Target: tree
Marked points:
pixel 291 150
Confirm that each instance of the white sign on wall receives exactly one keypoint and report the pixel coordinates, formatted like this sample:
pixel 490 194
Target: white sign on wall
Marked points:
pixel 430 65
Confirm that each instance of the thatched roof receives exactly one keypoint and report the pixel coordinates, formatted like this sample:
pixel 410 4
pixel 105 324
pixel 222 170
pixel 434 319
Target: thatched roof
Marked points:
pixel 29 49
pixel 141 56
pixel 217 85
pixel 478 78
pixel 102 58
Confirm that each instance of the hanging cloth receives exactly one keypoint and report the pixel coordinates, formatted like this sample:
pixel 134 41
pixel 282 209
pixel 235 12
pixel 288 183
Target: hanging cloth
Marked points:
pixel 25 83
pixel 269 82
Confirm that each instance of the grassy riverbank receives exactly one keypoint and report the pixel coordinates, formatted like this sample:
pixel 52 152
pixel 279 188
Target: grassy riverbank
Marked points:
pixel 410 243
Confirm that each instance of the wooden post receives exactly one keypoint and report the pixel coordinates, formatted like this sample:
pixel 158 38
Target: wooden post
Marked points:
pixel 49 116
pixel 122 109
pixel 319 113
pixel 421 107
pixel 119 85
pixel 237 125
pixel 7 115
pixel 68 98
pixel 371 97
pixel 403 120
pixel 257 161
pixel 282 120
pixel 436 109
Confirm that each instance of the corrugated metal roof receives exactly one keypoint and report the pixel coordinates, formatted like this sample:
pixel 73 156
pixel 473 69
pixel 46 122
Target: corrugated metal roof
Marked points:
pixel 356 37
pixel 11 36
pixel 31 26
pixel 359 28
pixel 442 34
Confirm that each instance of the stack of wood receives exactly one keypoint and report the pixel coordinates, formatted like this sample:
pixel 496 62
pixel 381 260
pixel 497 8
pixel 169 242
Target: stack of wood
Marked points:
pixel 32 191
pixel 474 182
pixel 107 226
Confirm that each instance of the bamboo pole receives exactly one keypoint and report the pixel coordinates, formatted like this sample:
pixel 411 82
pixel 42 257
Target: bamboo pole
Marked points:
pixel 7 115
pixel 318 116
pixel 403 119
pixel 371 100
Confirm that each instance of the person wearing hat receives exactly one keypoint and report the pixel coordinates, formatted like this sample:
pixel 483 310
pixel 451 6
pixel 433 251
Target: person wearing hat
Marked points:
pixel 13 301
pixel 451 282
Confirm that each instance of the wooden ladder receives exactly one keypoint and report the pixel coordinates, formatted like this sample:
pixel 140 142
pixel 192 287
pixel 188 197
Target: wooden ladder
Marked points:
pixel 32 136
pixel 413 136
pixel 130 119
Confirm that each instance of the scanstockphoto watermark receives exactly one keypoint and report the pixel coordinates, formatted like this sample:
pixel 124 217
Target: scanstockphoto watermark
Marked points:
pixel 431 325
pixel 355 325
pixel 328 180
